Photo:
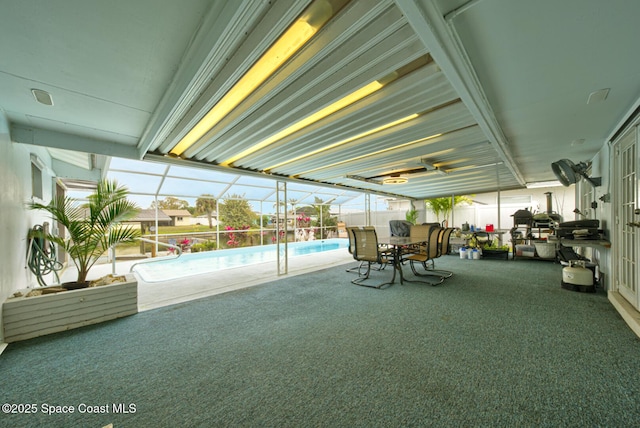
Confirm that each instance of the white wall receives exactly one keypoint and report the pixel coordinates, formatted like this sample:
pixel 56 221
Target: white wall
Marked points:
pixel 486 210
pixel 15 219
pixel 379 219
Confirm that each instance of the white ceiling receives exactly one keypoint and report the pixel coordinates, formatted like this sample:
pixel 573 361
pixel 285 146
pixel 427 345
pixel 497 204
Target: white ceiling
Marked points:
pixel 505 82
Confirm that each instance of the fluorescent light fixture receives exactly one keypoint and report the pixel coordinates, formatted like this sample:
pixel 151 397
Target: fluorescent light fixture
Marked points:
pixel 348 140
pixel 541 184
pixel 395 179
pixel 289 43
pixel 332 108
pixel 421 140
pixel 321 114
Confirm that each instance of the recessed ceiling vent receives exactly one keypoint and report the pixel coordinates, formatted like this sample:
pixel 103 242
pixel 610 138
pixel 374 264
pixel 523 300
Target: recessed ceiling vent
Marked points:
pixel 597 96
pixel 43 97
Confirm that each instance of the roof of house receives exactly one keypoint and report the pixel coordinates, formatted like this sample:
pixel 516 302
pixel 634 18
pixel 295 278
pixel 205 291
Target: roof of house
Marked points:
pixel 149 214
pixel 177 213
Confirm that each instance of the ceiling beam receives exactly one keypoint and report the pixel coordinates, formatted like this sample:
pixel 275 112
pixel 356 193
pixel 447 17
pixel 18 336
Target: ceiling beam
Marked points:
pixel 61 140
pixel 251 173
pixel 446 49
pixel 64 169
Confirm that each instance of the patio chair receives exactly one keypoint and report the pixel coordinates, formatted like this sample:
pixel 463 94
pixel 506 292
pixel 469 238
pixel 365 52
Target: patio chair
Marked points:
pixel 367 250
pixel 352 249
pixel 444 248
pixel 427 252
pixel 358 269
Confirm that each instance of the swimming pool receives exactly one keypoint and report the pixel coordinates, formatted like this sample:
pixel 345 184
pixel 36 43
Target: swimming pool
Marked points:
pixel 211 261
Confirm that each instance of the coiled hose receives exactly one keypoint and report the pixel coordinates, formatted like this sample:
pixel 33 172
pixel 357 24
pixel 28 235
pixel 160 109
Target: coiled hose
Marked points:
pixel 41 256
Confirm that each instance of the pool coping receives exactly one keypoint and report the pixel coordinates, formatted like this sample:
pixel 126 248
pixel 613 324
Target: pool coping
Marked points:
pixel 144 269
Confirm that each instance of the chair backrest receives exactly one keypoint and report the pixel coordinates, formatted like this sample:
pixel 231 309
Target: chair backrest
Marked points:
pixel 366 245
pixel 433 245
pixel 352 239
pixel 445 247
pixel 421 232
pixel 400 227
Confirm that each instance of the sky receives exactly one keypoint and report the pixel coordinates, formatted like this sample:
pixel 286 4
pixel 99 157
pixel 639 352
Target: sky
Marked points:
pixel 146 179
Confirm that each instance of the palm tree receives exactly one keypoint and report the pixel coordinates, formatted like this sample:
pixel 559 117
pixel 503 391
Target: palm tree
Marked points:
pixel 443 205
pixel 92 227
pixel 206 204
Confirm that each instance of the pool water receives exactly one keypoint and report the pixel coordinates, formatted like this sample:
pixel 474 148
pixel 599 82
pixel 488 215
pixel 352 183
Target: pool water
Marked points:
pixel 211 261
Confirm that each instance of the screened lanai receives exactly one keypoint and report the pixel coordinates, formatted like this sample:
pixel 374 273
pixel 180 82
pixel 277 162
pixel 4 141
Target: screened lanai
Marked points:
pixel 150 181
pixel 285 211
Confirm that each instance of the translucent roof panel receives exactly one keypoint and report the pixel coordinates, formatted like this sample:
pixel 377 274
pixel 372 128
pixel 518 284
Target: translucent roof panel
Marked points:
pixel 250 192
pixel 137 183
pixel 201 174
pixel 137 166
pixel 256 181
pixel 194 188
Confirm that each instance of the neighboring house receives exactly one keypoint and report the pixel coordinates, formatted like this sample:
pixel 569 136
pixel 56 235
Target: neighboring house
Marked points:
pixel 179 217
pixel 204 220
pixel 147 219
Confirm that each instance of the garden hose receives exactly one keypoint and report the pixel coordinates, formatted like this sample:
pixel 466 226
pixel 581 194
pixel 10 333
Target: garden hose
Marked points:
pixel 41 255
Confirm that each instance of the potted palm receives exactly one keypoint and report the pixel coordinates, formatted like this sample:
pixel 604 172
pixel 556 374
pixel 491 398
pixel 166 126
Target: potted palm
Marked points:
pixel 93 227
pixel 444 205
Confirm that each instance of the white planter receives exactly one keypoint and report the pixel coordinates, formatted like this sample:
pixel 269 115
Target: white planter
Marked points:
pixel 28 317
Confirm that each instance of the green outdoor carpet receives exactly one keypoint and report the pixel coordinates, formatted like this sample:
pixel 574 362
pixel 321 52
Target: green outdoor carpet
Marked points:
pixel 500 344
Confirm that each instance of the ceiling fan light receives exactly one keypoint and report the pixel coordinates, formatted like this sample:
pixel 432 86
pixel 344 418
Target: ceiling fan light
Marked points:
pixel 395 179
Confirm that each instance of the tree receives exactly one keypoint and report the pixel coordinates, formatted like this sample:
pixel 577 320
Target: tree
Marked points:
pixel 171 203
pixel 443 205
pixel 236 212
pixel 323 215
pixel 206 204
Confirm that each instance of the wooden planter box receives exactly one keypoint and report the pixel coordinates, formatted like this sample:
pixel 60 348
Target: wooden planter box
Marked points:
pixel 28 317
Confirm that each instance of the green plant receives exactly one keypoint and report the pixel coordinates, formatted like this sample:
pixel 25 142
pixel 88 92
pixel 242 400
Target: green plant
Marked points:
pixel 203 246
pixel 495 244
pixel 411 216
pixel 93 227
pixel 444 205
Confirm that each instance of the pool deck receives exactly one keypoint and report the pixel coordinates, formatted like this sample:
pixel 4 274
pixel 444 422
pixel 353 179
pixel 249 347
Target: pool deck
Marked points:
pixel 153 295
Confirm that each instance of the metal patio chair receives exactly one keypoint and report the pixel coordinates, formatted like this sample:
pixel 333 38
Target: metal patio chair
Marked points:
pixel 367 250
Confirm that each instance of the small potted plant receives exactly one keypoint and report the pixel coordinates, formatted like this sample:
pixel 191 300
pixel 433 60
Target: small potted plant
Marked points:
pixel 92 228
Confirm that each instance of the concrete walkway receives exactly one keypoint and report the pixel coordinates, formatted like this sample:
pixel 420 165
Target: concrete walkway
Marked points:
pixel 153 295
